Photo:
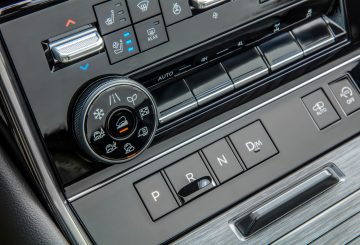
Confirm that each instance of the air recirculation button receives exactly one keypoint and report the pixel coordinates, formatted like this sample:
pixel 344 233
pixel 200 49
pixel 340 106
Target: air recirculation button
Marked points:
pixel 115 120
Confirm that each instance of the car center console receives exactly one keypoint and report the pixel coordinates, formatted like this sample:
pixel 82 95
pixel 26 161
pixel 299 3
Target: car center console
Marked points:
pixel 155 116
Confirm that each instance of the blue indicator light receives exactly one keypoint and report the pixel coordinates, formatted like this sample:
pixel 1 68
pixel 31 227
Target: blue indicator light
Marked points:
pixel 126 34
pixel 130 49
pixel 128 42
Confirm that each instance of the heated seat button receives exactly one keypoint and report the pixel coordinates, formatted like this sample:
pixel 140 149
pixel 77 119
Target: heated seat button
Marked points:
pixel 347 96
pixel 320 109
pixel 151 33
pixel 175 10
pixel 253 144
pixel 187 171
pixel 156 196
pixel 121 44
pixel 281 51
pixel 222 160
pixel 210 84
pixel 112 16
pixel 143 9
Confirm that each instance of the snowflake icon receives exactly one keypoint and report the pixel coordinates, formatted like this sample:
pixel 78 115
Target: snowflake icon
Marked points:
pixel 98 114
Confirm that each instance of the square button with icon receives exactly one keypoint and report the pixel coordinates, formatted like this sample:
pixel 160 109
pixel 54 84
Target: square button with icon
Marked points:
pixel 112 15
pixel 320 109
pixel 175 10
pixel 143 9
pixel 121 44
pixel 151 33
pixel 347 96
pixel 253 144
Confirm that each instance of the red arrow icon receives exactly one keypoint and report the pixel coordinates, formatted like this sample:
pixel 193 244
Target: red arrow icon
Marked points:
pixel 70 22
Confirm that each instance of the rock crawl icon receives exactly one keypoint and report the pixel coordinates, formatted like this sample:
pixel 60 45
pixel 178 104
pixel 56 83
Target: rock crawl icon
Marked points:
pixel 98 114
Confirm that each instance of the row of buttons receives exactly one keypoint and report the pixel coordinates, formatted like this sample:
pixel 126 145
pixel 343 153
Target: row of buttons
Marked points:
pixel 241 70
pixel 113 17
pixel 195 175
pixel 321 109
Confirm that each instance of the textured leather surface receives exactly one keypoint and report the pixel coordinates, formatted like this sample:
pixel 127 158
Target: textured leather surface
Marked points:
pixel 23 219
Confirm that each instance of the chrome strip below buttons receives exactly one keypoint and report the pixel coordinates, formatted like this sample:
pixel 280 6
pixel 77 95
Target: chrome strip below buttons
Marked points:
pixel 77 46
pixel 204 4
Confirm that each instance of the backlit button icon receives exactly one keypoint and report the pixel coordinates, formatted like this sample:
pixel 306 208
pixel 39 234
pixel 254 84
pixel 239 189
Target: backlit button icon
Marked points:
pixel 70 22
pixel 143 5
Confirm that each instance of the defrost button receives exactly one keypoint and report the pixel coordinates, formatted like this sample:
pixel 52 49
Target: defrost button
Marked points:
pixel 151 33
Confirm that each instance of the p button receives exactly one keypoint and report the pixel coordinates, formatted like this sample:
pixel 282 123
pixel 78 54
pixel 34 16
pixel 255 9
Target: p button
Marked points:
pixel 156 196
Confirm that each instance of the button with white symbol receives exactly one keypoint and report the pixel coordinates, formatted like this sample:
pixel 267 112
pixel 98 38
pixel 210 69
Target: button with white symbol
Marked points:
pixel 320 109
pixel 347 95
pixel 143 9
pixel 175 10
pixel 156 196
pixel 253 144
pixel 187 171
pixel 121 124
pixel 121 44
pixel 112 15
pixel 222 160
pixel 151 33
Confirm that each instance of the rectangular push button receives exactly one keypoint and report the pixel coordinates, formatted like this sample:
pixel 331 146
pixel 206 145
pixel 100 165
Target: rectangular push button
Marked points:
pixel 313 36
pixel 253 144
pixel 210 84
pixel 281 51
pixel 320 109
pixel 121 44
pixel 347 96
pixel 156 196
pixel 186 171
pixel 174 100
pixel 143 9
pixel 246 67
pixel 175 10
pixel 112 15
pixel 222 160
pixel 151 33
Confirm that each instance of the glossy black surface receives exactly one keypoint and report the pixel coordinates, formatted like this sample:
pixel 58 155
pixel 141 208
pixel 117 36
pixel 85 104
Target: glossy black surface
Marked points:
pixel 70 81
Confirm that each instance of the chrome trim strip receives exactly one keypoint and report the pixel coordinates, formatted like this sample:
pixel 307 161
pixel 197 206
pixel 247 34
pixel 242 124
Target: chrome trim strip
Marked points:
pixel 106 182
pixel 42 172
pixel 178 110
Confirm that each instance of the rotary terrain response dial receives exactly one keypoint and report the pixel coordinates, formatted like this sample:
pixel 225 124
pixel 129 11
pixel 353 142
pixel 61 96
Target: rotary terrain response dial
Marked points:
pixel 115 120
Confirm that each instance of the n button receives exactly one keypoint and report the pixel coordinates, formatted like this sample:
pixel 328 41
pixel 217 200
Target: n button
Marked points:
pixel 222 160
pixel 156 196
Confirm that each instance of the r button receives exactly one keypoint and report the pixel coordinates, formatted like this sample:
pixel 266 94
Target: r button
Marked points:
pixel 156 196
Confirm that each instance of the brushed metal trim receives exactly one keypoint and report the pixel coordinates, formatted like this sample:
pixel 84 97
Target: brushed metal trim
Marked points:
pixel 166 152
pixel 307 183
pixel 41 171
pixel 308 222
